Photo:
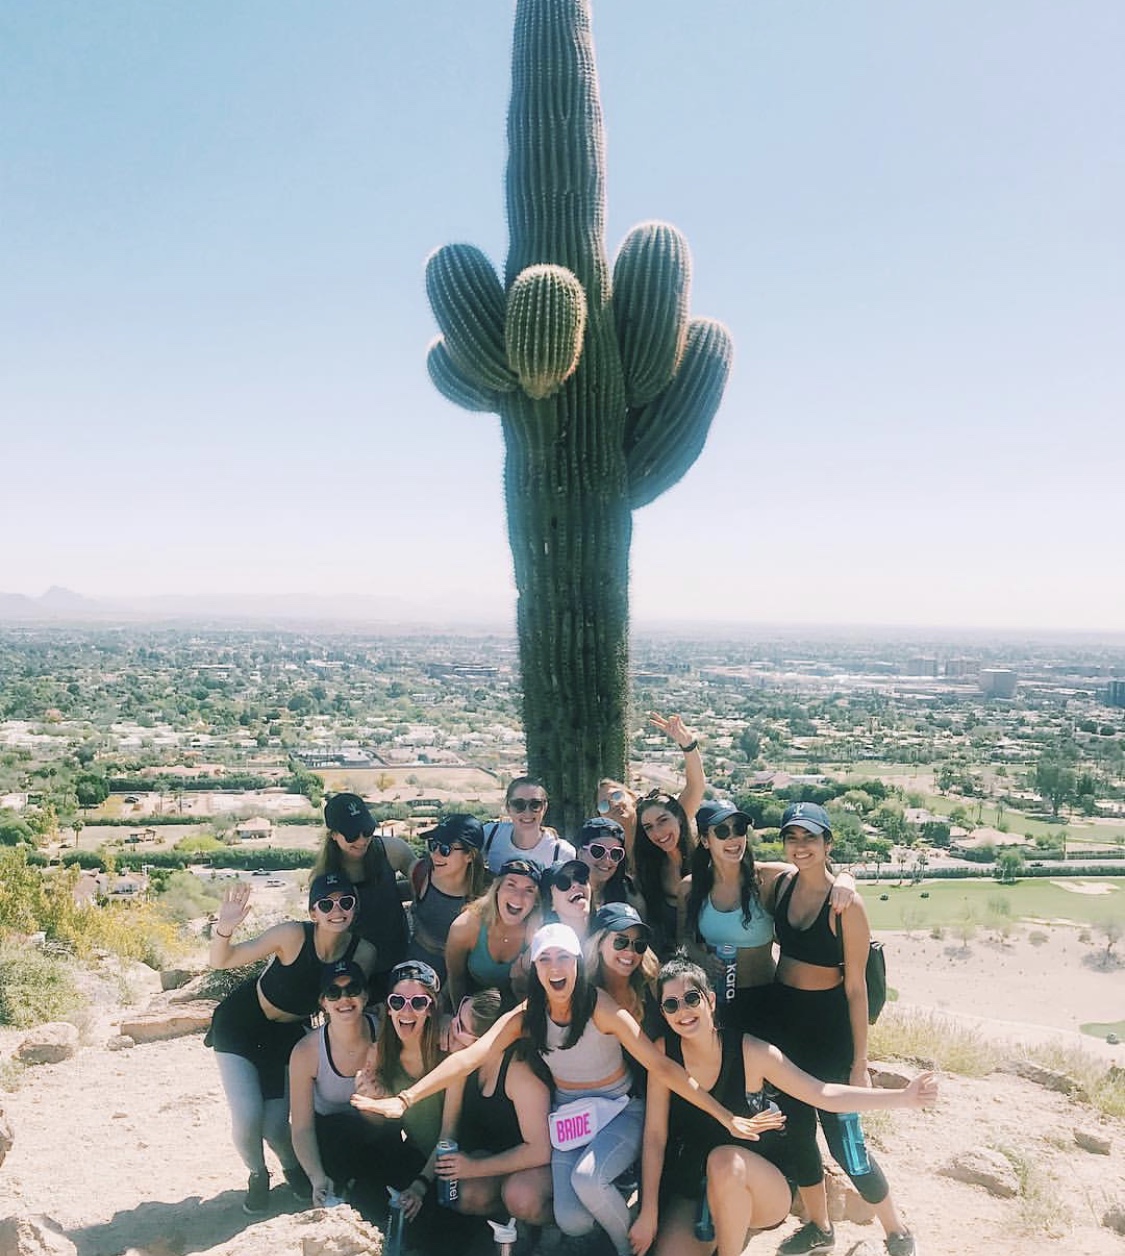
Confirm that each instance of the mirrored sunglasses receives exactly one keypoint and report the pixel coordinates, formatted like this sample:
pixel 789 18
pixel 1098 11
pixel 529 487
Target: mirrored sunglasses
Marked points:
pixel 527 804
pixel 346 902
pixel 564 880
pixel 622 943
pixel 736 827
pixel 692 998
pixel 350 991
pixel 614 854
pixel 418 1002
pixel 614 798
pixel 444 849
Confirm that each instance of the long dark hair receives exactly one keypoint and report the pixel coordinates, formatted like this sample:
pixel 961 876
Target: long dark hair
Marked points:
pixel 649 858
pixel 703 879
pixel 582 1002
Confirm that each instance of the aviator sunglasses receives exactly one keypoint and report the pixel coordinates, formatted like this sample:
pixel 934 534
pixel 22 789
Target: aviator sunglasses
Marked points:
pixel 564 880
pixel 418 1002
pixel 350 991
pixel 692 998
pixel 345 903
pixel 527 804
pixel 737 828
pixel 622 943
pixel 614 854
pixel 444 849
pixel 615 797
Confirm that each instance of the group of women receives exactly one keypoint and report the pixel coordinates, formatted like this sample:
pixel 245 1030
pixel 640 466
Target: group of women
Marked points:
pixel 524 1018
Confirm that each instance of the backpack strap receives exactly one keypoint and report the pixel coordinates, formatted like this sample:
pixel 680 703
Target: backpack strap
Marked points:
pixel 488 839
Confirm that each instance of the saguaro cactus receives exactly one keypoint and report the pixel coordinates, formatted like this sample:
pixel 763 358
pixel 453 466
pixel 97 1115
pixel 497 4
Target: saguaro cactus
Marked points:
pixel 605 391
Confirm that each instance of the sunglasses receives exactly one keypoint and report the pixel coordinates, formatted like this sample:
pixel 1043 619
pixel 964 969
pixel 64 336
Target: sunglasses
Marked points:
pixel 359 837
pixel 418 1002
pixel 445 849
pixel 614 854
pixel 457 1024
pixel 350 991
pixel 527 804
pixel 604 804
pixel 622 943
pixel 692 998
pixel 564 880
pixel 736 828
pixel 346 902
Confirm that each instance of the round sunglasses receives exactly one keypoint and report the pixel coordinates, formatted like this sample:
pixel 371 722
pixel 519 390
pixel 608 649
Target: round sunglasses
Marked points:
pixel 418 1002
pixel 564 880
pixel 445 849
pixel 527 804
pixel 692 998
pixel 737 828
pixel 604 804
pixel 614 854
pixel 350 991
pixel 622 943
pixel 346 902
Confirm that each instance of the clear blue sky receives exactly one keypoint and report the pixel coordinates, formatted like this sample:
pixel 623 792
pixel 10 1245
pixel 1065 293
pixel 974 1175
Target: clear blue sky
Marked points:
pixel 213 223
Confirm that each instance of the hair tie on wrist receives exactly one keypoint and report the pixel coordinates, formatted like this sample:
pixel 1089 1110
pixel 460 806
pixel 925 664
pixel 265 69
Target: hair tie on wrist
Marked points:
pixel 692 745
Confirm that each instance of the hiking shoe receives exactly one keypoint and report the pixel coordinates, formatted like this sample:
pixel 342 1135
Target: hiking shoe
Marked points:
pixel 299 1183
pixel 901 1245
pixel 257 1194
pixel 809 1238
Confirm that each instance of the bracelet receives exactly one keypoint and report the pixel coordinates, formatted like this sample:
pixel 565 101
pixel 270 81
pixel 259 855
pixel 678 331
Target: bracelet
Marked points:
pixel 406 1097
pixel 228 936
pixel 692 745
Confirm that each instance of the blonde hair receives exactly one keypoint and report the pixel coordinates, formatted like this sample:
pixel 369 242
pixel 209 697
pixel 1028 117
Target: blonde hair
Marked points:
pixel 641 980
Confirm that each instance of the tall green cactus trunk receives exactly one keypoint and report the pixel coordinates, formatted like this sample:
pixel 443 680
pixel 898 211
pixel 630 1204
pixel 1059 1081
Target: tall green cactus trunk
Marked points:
pixel 605 396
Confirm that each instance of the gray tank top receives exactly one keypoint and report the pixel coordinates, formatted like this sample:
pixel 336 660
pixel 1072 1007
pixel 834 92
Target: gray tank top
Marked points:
pixel 332 1091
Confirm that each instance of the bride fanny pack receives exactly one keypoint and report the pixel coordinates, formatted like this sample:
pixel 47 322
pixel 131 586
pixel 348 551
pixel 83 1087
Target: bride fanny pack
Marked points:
pixel 574 1124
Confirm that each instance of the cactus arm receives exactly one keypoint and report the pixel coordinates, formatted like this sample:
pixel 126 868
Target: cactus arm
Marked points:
pixel 543 329
pixel 651 278
pixel 666 437
pixel 456 386
pixel 468 304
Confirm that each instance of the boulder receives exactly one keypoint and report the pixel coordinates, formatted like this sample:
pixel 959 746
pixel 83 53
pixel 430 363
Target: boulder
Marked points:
pixel 33 1236
pixel 49 1044
pixel 981 1166
pixel 6 1136
pixel 845 1203
pixel 888 1077
pixel 174 978
pixel 1114 1218
pixel 191 990
pixel 337 1231
pixel 170 1022
pixel 120 1042
pixel 1048 1078
pixel 1096 1144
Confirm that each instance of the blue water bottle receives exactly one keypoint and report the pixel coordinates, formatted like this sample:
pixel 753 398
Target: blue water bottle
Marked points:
pixel 447 1187
pixel 396 1221
pixel 704 1224
pixel 855 1149
pixel 727 954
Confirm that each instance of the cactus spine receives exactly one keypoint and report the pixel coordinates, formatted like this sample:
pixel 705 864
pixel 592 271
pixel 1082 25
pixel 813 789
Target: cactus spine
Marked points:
pixel 605 395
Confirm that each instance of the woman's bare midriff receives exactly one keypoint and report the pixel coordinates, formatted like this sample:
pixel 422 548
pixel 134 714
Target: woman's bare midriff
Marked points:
pixel 802 976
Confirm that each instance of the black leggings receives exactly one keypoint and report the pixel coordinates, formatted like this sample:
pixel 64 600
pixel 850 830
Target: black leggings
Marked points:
pixel 814 1030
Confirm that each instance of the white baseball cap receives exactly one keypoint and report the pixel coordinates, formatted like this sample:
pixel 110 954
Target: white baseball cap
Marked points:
pixel 560 935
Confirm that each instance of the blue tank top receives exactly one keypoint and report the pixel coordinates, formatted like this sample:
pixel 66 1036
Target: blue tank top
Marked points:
pixel 485 971
pixel 725 927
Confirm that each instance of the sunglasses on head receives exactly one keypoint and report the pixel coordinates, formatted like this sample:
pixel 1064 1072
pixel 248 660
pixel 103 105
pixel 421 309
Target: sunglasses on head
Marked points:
pixel 613 853
pixel 736 827
pixel 527 804
pixel 444 849
pixel 564 880
pixel 622 943
pixel 345 903
pixel 692 998
pixel 350 991
pixel 418 1002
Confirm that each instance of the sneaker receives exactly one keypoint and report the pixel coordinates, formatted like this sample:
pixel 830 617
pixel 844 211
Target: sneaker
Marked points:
pixel 299 1183
pixel 809 1238
pixel 901 1245
pixel 257 1194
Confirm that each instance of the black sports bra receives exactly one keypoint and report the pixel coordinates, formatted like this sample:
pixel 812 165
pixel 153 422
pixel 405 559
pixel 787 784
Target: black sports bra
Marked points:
pixel 815 945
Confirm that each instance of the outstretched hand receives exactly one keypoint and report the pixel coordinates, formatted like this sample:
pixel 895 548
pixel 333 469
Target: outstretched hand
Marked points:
pixel 235 906
pixel 674 726
pixel 390 1106
pixel 923 1090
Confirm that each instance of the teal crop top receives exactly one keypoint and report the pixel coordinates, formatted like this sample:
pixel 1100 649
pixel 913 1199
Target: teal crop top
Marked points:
pixel 717 928
pixel 485 971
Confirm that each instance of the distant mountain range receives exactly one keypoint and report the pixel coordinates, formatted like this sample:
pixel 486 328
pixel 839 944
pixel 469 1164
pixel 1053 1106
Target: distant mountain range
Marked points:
pixel 64 605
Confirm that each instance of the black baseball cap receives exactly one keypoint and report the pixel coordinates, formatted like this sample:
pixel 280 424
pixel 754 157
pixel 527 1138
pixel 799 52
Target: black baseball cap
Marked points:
pixel 329 883
pixel 617 917
pixel 458 827
pixel 347 814
pixel 715 812
pixel 599 829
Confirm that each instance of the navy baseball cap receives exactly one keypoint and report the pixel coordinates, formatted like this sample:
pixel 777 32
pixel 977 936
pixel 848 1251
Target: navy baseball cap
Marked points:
pixel 347 968
pixel 329 883
pixel 809 816
pixel 715 812
pixel 458 827
pixel 599 829
pixel 617 917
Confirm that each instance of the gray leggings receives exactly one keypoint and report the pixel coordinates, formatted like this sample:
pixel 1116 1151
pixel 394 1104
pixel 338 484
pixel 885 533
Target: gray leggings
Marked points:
pixel 585 1195
pixel 253 1118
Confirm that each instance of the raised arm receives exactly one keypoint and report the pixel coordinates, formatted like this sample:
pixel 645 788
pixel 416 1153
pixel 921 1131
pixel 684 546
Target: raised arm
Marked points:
pixel 284 939
pixel 695 780
pixel 460 1064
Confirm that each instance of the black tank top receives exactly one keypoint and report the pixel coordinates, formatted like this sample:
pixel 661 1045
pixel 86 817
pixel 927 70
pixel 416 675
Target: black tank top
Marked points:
pixel 382 920
pixel 295 987
pixel 815 945
pixel 489 1122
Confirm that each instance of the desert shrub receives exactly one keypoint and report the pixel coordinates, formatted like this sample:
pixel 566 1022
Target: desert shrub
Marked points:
pixel 186 897
pixel 217 983
pixel 139 931
pixel 1084 935
pixel 34 987
pixel 938 933
pixel 932 1039
pixel 1105 1088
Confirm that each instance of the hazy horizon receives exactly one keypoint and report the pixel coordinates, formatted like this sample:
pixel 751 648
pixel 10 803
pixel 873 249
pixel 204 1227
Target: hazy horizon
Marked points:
pixel 214 324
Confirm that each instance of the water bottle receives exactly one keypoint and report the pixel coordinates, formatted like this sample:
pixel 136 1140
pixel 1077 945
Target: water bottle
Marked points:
pixel 505 1235
pixel 727 954
pixel 447 1187
pixel 855 1149
pixel 704 1225
pixel 396 1221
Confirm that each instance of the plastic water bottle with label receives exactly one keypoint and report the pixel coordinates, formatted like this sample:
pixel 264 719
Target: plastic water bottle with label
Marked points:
pixel 396 1223
pixel 856 1160
pixel 448 1188
pixel 727 955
